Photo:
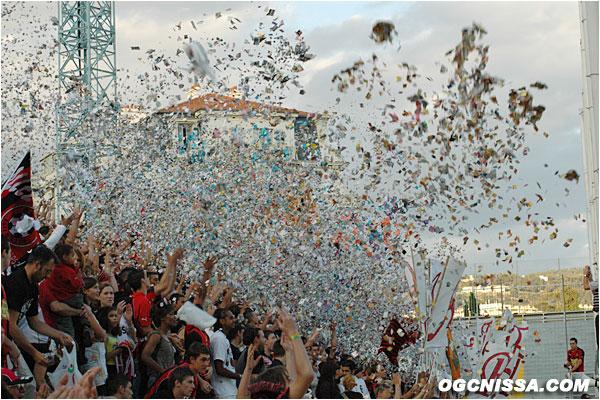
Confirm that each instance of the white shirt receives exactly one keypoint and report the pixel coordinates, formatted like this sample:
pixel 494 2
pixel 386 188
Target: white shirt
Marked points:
pixel 56 235
pixel 31 335
pixel 220 349
pixel 361 387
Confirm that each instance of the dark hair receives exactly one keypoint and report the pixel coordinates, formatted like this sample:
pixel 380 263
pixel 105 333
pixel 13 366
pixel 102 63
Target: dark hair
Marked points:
pixel 175 297
pixel 268 333
pixel 326 387
pixel 237 328
pixel 159 311
pixel 179 374
pixel 278 350
pixel 219 314
pixel 114 382
pixel 80 257
pixel 247 314
pixel 194 350
pixel 122 278
pixel 235 310
pixel 102 316
pixel 104 285
pixel 89 282
pixel 270 384
pixel 5 244
pixel 250 334
pixel 42 254
pixel 44 230
pixel 574 339
pixel 350 364
pixel 63 250
pixel 135 279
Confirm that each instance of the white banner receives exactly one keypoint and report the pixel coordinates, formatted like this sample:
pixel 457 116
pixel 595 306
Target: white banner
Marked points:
pixel 443 283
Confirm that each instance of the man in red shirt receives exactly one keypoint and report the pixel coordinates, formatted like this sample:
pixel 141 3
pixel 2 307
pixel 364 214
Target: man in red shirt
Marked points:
pixel 141 304
pixel 575 357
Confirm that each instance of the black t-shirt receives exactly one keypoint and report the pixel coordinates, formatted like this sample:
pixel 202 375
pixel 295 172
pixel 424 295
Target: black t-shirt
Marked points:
pixel 194 334
pixel 351 395
pixel 236 352
pixel 122 295
pixel 165 394
pixel 21 295
pixel 276 363
pixel 240 366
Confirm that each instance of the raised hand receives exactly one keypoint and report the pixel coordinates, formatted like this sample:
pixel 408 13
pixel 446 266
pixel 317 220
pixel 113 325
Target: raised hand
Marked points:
pixel 85 388
pixel 285 342
pixel 43 392
pixel 77 212
pixel 250 361
pixel 66 221
pixel 175 255
pixel 286 323
pixel 210 263
pixel 128 314
pixel 121 307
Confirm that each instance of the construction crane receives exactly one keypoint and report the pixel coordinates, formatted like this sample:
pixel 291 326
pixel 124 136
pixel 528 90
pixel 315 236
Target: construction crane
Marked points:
pixel 86 82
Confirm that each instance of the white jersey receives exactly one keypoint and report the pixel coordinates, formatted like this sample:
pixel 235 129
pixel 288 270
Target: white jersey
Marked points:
pixel 220 349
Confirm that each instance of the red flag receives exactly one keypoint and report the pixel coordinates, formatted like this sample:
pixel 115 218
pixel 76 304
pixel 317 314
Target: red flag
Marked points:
pixel 395 338
pixel 17 212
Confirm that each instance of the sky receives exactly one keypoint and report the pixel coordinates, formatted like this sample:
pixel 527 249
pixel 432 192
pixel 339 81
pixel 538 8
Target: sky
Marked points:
pixel 529 42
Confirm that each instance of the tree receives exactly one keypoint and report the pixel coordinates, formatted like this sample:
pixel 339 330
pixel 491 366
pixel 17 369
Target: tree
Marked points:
pixel 571 299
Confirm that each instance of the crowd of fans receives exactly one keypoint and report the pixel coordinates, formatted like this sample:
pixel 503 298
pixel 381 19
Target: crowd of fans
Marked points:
pixel 121 318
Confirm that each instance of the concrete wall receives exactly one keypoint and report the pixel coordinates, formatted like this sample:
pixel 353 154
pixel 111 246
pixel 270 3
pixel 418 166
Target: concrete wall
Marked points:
pixel 545 359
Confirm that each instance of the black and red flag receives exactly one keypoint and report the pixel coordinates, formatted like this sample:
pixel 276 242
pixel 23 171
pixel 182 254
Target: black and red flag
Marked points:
pixel 397 337
pixel 18 214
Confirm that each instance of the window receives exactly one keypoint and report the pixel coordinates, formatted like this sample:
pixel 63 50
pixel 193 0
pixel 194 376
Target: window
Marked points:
pixel 183 137
pixel 305 135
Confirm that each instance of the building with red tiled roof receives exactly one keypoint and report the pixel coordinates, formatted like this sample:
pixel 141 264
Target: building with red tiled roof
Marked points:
pixel 218 102
pixel 209 116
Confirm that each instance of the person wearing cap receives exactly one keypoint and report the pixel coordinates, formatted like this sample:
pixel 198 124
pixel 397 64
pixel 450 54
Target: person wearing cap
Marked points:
pixel 15 385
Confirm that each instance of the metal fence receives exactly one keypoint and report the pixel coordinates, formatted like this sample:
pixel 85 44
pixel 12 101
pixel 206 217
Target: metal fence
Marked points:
pixel 524 289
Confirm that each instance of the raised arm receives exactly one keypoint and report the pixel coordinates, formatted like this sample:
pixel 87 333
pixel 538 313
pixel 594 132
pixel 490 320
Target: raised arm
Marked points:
pixel 290 361
pixel 587 277
pixel 265 321
pixel 311 338
pixel 167 281
pixel 333 341
pixel 245 381
pixel 128 315
pixel 179 288
pixel 74 228
pixel 305 374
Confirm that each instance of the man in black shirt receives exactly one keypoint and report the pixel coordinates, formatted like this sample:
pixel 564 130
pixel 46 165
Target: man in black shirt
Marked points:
pixel 255 336
pixel 21 289
pixel 278 356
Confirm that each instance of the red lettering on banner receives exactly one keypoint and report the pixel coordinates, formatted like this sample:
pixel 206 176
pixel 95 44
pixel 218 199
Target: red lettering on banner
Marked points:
pixel 431 336
pixel 495 371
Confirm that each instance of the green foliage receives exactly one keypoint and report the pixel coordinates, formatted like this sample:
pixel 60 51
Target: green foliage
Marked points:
pixel 545 296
